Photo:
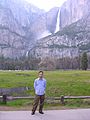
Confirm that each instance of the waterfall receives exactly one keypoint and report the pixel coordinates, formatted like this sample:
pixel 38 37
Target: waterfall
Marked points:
pixel 58 22
pixel 27 53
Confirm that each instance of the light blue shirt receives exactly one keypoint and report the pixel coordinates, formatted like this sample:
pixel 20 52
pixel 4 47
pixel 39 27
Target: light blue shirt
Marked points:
pixel 40 86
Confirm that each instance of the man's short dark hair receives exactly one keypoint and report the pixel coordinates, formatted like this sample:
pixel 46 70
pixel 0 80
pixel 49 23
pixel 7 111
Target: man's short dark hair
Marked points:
pixel 40 71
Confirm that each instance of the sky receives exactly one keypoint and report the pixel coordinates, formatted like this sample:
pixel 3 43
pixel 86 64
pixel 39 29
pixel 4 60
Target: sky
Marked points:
pixel 46 4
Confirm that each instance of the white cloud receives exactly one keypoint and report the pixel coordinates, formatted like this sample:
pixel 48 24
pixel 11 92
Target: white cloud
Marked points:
pixel 47 4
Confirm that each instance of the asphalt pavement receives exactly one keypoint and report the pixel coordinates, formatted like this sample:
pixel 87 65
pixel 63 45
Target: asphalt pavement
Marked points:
pixel 73 114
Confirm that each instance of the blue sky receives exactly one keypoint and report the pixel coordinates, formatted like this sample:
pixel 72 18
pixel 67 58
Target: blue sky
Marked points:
pixel 47 4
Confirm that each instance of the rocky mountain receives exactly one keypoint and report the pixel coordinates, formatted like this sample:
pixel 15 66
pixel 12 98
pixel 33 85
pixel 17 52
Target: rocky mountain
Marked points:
pixel 69 42
pixel 15 18
pixel 21 24
pixel 22 27
pixel 45 25
pixel 72 39
pixel 73 10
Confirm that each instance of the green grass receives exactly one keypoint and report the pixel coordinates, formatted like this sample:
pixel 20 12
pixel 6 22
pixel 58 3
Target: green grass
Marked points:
pixel 59 83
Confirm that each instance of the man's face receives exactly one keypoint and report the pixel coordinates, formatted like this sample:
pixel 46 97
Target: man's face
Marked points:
pixel 40 75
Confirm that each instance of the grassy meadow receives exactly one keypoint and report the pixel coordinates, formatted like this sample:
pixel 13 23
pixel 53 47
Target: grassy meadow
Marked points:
pixel 75 83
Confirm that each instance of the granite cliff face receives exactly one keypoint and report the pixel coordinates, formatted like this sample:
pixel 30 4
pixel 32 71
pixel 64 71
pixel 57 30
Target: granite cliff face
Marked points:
pixel 73 10
pixel 69 42
pixel 16 17
pixel 11 33
pixel 23 12
pixel 22 26
pixel 74 36
pixel 45 25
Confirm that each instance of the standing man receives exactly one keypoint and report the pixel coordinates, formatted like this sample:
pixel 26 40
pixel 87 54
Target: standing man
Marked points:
pixel 39 86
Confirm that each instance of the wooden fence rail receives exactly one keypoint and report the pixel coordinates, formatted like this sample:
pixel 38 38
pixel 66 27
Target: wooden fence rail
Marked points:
pixel 6 98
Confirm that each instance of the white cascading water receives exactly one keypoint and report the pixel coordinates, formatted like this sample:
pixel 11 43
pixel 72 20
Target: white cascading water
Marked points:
pixel 27 53
pixel 58 22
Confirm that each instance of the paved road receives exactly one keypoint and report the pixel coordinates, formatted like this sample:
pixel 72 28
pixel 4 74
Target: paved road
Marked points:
pixel 78 114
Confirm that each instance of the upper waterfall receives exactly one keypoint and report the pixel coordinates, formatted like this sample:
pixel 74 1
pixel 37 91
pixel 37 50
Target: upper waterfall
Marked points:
pixel 58 22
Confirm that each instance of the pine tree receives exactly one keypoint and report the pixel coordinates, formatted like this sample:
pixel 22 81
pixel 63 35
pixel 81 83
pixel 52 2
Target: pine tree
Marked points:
pixel 84 61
